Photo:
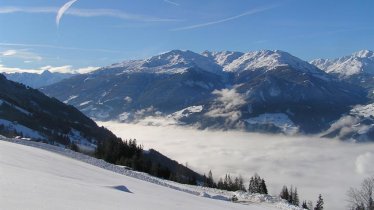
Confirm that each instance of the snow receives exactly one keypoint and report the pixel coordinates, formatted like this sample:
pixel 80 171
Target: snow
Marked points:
pixel 70 98
pixel 83 143
pixel 269 59
pixel 172 62
pixel 15 107
pixel 50 177
pixel 279 120
pixel 84 103
pixel 364 110
pixel 223 58
pixel 358 62
pixel 27 132
pixel 186 112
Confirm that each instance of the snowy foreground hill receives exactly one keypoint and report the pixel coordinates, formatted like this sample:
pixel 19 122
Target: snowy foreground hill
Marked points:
pixel 40 176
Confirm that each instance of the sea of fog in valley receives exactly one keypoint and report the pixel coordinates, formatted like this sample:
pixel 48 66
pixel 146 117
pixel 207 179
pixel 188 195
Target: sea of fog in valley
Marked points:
pixel 313 165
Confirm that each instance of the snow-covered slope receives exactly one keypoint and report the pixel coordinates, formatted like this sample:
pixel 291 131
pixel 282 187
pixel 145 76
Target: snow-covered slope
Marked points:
pixel 223 58
pixel 269 60
pixel 359 62
pixel 33 178
pixel 172 62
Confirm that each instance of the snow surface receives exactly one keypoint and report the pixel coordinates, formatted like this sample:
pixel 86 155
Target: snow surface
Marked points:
pixel 186 112
pixel 16 107
pixel 172 62
pixel 27 132
pixel 279 120
pixel 70 98
pixel 269 59
pixel 359 62
pixel 364 110
pixel 56 178
pixel 223 58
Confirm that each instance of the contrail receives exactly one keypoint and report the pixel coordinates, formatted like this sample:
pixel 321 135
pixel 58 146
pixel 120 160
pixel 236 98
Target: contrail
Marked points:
pixel 250 12
pixel 62 10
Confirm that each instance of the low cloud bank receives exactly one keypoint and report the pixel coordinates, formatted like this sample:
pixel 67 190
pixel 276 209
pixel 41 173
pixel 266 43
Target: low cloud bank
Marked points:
pixel 314 165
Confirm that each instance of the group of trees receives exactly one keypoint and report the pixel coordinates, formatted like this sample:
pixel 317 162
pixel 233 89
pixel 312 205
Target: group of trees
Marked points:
pixel 256 183
pixel 129 153
pixel 292 197
pixel 362 198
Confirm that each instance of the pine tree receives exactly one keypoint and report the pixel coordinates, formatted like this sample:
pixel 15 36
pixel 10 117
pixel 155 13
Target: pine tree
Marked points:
pixel 210 180
pixel 257 185
pixel 251 187
pixel 295 199
pixel 319 204
pixel 304 205
pixel 284 193
pixel 291 195
pixel 264 189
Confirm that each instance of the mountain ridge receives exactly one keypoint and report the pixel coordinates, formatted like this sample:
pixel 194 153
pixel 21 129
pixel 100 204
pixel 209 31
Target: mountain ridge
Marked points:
pixel 242 89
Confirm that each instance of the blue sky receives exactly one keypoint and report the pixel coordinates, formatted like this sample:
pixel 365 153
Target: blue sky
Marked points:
pixel 95 33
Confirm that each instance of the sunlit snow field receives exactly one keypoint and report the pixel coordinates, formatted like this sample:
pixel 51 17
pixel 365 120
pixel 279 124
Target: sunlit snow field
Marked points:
pixel 313 165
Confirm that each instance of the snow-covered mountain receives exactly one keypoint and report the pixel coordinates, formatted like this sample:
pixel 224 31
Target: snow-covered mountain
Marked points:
pixel 57 178
pixel 361 62
pixel 234 90
pixel 35 80
pixel 175 61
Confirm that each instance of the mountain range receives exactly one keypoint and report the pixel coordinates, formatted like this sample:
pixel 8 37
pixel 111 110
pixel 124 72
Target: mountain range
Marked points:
pixel 261 91
pixel 35 80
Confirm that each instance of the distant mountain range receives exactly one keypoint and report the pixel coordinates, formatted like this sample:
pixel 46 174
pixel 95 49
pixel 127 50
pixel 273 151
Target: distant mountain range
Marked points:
pixel 261 91
pixel 356 69
pixel 35 80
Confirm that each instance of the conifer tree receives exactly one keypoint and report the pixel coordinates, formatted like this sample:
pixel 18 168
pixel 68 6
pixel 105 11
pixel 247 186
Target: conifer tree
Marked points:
pixel 284 193
pixel 304 205
pixel 295 199
pixel 319 204
pixel 264 189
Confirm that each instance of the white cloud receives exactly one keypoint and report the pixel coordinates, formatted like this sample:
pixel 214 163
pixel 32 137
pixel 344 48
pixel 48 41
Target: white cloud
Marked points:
pixel 59 69
pixel 227 105
pixel 69 69
pixel 56 47
pixel 62 10
pixel 21 54
pixel 364 164
pixel 315 166
pixel 4 69
pixel 250 12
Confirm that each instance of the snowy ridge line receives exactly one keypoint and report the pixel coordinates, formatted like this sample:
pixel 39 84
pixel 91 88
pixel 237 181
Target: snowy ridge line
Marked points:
pixel 243 197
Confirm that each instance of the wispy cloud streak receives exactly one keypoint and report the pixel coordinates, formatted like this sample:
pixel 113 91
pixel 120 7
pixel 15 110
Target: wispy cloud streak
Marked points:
pixel 171 2
pixel 87 13
pixel 201 25
pixel 62 10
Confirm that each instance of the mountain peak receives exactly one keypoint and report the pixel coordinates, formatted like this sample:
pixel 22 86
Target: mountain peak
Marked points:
pixel 269 59
pixel 364 54
pixel 222 58
pixel 46 72
pixel 354 64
